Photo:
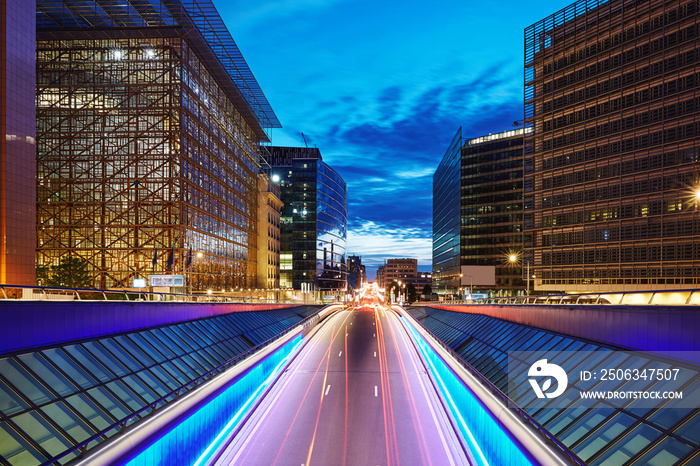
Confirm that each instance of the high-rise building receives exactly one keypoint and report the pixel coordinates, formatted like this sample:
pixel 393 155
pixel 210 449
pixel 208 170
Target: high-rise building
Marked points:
pixel 17 142
pixel 314 220
pixel 612 161
pixel 446 218
pixel 148 130
pixel 357 277
pixel 269 211
pixel 477 214
pixel 491 207
pixel 380 276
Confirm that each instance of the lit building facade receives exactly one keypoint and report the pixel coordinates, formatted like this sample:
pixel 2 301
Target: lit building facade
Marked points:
pixel 269 211
pixel 612 162
pixel 17 143
pixel 477 214
pixel 314 220
pixel 148 131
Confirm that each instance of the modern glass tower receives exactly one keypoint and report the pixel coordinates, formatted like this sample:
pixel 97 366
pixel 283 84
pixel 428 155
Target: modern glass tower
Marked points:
pixel 477 212
pixel 612 164
pixel 148 130
pixel 314 220
pixel 446 218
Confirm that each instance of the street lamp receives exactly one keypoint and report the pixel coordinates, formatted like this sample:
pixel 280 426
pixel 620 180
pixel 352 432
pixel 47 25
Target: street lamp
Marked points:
pixel 513 258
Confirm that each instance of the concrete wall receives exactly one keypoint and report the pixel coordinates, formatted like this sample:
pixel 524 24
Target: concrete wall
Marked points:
pixel 30 324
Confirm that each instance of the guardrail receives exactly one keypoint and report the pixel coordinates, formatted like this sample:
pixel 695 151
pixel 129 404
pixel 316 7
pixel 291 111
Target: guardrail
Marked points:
pixel 650 297
pixel 47 293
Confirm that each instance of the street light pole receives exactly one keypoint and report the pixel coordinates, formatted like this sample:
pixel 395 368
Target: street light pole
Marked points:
pixel 528 277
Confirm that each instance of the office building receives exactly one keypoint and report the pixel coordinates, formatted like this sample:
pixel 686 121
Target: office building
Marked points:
pixel 357 275
pixel 269 211
pixel 17 144
pixel 380 276
pixel 477 214
pixel 399 269
pixel 148 131
pixel 314 220
pixel 612 159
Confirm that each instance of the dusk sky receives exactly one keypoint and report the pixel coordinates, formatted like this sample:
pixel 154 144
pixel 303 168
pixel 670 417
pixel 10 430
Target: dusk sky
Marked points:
pixel 381 88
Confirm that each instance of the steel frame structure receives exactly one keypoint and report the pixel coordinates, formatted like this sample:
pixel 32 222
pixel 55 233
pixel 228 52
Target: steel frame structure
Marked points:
pixel 148 137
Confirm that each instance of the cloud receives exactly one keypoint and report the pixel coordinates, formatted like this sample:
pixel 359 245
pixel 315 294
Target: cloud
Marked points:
pixel 388 162
pixel 376 243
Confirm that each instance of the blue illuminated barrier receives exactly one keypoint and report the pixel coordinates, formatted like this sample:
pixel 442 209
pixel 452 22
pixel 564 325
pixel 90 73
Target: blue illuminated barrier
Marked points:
pixel 494 432
pixel 192 430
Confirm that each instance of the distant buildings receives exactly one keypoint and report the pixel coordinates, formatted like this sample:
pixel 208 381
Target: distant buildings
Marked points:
pixel 17 143
pixel 357 274
pixel 314 220
pixel 147 143
pixel 404 270
pixel 477 211
pixel 612 158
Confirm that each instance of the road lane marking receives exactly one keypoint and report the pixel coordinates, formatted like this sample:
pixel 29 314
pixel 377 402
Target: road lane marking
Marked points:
pixel 340 354
pixel 375 391
pixel 327 388
pixel 374 335
pixel 375 354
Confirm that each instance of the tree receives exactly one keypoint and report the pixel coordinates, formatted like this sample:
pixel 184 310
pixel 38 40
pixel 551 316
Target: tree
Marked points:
pixel 427 290
pixel 411 293
pixel 392 288
pixel 72 272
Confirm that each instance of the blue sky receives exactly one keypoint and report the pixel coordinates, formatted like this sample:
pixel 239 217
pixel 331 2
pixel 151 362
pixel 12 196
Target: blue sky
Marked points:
pixel 380 88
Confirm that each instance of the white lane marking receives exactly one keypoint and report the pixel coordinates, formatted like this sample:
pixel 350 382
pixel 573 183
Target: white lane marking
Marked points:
pixel 375 391
pixel 340 354
pixel 327 388
pixel 375 354
pixel 415 360
pixel 374 335
pixel 346 334
pixel 298 360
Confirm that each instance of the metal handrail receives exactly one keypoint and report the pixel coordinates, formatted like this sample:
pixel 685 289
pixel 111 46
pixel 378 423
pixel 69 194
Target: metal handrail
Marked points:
pixel 639 297
pixel 90 294
pixel 177 393
pixel 503 397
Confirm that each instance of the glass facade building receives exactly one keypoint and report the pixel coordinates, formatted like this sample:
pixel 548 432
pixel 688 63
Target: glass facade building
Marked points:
pixel 148 130
pixel 314 220
pixel 492 209
pixel 612 164
pixel 446 218
pixel 477 211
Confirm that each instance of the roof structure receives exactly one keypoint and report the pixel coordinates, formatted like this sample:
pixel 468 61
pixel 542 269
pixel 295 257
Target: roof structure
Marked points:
pixel 198 17
pixel 601 433
pixel 58 402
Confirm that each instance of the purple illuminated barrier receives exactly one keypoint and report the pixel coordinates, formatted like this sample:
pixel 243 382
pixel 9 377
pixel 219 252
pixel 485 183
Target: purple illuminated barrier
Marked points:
pixel 30 324
pixel 659 329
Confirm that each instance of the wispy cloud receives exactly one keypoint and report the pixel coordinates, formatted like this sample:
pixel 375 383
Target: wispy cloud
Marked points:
pixel 388 163
pixel 376 243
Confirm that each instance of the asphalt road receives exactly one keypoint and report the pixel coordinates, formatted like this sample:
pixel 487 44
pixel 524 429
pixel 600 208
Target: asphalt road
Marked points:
pixel 357 394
